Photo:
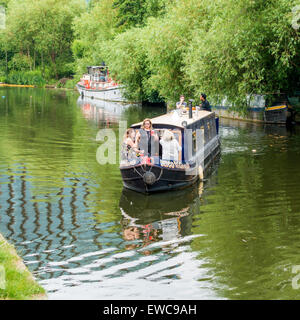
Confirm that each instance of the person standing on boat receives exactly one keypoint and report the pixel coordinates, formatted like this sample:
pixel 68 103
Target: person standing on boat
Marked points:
pixel 147 139
pixel 170 146
pixel 129 146
pixel 181 103
pixel 205 104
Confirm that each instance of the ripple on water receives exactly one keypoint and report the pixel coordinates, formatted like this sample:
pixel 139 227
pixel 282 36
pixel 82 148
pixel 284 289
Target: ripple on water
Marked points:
pixel 234 237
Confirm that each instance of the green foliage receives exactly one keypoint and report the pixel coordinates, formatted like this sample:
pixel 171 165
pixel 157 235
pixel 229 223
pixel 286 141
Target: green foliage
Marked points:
pixel 250 47
pixel 2 76
pixel 92 29
pixel 166 43
pixel 131 12
pixel 26 78
pixel 78 48
pixel 150 59
pixel 4 3
pixel 159 48
pixel 70 84
pixel 224 48
pixel 39 34
pixel 20 62
pixel 126 58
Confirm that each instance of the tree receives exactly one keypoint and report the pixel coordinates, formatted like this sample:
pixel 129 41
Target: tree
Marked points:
pixel 43 28
pixel 92 29
pixel 132 13
pixel 225 48
pixel 126 58
pixel 250 47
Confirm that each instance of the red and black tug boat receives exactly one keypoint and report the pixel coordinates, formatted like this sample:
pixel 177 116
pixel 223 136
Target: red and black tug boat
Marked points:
pixel 197 134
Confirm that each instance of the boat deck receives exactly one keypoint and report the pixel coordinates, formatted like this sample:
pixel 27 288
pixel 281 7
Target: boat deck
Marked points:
pixel 175 118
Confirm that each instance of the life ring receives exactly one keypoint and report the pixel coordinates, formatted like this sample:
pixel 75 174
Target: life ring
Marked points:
pixel 149 178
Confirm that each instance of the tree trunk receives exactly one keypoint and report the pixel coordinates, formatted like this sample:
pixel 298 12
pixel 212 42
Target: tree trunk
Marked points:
pixel 33 59
pixel 6 60
pixel 42 60
pixel 54 63
pixel 29 58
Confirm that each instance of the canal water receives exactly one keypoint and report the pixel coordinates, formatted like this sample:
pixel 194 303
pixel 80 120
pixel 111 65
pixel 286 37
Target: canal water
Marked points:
pixel 235 236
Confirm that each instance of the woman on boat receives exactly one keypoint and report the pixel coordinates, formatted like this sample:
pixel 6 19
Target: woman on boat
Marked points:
pixel 147 139
pixel 129 147
pixel 170 146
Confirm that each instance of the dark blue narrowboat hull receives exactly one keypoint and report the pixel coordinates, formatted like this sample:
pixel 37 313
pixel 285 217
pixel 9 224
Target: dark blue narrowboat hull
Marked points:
pixel 164 179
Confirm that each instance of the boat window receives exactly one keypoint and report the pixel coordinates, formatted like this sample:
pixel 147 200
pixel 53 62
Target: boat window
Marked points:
pixel 202 128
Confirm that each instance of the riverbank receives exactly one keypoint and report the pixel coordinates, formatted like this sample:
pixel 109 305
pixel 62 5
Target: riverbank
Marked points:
pixel 16 281
pixel 16 85
pixel 47 86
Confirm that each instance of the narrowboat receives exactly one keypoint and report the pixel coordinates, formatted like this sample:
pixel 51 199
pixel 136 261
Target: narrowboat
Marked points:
pixel 278 110
pixel 267 108
pixel 197 134
pixel 96 84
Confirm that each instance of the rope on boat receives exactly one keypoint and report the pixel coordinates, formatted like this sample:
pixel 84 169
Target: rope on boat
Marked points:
pixel 161 172
pixel 137 172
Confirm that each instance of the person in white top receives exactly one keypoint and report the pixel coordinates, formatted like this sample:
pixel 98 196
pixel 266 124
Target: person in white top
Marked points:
pixel 170 146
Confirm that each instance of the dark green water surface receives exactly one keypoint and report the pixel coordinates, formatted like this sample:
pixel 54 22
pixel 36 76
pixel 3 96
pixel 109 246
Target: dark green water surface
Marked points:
pixel 235 236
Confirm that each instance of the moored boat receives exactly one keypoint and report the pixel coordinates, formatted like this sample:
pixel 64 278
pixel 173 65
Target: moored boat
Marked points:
pixel 96 84
pixel 267 108
pixel 196 133
pixel 278 110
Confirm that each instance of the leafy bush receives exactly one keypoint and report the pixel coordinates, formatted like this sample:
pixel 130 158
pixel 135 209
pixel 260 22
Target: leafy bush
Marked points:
pixel 70 84
pixel 20 62
pixel 2 76
pixel 26 78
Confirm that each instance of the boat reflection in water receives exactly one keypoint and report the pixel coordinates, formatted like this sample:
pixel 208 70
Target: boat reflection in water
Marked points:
pixel 161 217
pixel 100 111
pixel 279 130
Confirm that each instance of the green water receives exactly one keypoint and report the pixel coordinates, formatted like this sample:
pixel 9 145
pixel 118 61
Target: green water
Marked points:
pixel 235 236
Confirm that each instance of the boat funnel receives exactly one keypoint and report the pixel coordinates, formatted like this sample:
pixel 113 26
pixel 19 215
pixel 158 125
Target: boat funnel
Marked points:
pixel 191 108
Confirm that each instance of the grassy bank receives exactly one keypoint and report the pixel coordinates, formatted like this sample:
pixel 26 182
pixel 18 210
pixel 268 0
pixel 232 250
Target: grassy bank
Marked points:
pixel 37 79
pixel 16 282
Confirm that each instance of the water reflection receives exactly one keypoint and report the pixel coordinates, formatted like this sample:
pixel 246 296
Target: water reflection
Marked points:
pixel 102 112
pixel 235 236
pixel 158 217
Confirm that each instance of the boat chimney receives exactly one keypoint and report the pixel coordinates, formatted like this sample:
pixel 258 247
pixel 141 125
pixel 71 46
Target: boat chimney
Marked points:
pixel 191 108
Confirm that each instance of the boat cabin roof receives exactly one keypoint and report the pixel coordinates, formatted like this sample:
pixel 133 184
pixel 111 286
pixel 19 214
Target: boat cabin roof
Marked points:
pixel 97 67
pixel 175 119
